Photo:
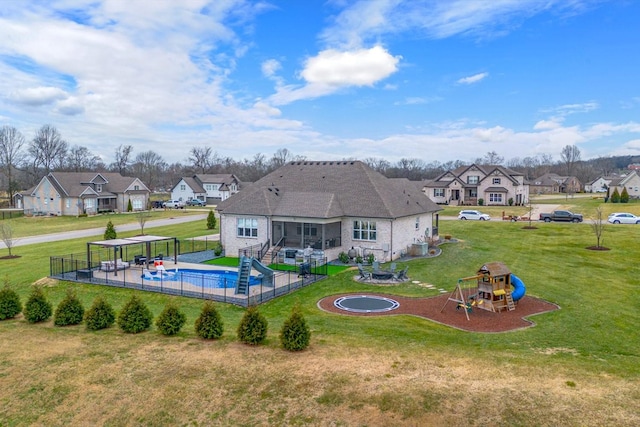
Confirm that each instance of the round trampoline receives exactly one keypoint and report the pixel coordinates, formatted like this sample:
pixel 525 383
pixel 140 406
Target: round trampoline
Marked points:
pixel 366 304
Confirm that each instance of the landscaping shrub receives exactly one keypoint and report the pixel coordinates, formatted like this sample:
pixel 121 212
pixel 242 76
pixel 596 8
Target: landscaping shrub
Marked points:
pixel 37 309
pixel 253 327
pixel 624 196
pixel 209 324
pixel 480 202
pixel 100 316
pixel 135 316
pixel 217 248
pixel 615 197
pixel 10 305
pixel 171 320
pixel 343 257
pixel 295 334
pixel 70 310
pixel 110 232
pixel 129 206
pixel 211 220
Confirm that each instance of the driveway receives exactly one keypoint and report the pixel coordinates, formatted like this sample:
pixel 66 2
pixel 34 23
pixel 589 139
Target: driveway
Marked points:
pixel 90 232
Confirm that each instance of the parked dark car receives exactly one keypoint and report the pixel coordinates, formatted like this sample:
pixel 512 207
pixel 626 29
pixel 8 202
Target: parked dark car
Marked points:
pixel 196 202
pixel 158 204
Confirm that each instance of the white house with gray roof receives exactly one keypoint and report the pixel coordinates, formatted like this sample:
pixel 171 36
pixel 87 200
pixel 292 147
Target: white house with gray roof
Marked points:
pixel 466 185
pixel 332 206
pixel 209 188
pixel 74 193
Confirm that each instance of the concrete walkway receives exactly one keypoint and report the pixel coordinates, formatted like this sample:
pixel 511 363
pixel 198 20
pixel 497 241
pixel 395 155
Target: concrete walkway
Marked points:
pixel 90 232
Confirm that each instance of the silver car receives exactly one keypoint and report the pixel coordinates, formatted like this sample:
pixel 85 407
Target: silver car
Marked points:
pixel 472 214
pixel 623 218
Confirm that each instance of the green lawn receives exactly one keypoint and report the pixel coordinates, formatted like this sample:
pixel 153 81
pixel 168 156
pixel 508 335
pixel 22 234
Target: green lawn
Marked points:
pixel 591 344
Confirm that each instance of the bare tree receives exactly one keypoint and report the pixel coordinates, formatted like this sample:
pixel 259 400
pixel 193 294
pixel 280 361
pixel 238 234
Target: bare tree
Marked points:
pixel 200 158
pixel 6 234
pixel 491 158
pixel 123 158
pixel 81 159
pixel 48 149
pixel 570 155
pixel 149 165
pixel 281 157
pixel 11 154
pixel 598 225
pixel 142 217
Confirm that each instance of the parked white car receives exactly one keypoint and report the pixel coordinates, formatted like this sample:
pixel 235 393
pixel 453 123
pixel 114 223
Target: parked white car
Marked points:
pixel 623 218
pixel 174 204
pixel 470 214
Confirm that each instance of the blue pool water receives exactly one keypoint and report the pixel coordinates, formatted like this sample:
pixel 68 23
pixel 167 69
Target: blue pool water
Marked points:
pixel 206 278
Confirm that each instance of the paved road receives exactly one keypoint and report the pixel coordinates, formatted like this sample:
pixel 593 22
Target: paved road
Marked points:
pixel 90 232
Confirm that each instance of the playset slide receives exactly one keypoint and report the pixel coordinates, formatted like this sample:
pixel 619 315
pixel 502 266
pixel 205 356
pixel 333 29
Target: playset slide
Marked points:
pixel 519 288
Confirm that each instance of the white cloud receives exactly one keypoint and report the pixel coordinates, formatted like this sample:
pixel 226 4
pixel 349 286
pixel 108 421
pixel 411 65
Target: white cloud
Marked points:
pixel 37 96
pixel 472 79
pixel 332 70
pixel 547 125
pixel 70 106
pixel 270 67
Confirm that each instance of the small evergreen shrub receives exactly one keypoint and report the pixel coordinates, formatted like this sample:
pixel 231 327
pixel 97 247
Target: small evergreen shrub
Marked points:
pixel 295 334
pixel 10 305
pixel 371 258
pixel 110 231
pixel 624 196
pixel 343 257
pixel 615 197
pixel 70 311
pixel 510 201
pixel 37 308
pixel 480 202
pixel 359 259
pixel 209 324
pixel 129 206
pixel 135 316
pixel 217 249
pixel 253 327
pixel 171 320
pixel 100 315
pixel 211 220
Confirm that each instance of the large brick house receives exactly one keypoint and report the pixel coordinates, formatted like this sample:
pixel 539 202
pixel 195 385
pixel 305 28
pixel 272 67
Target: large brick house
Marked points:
pixel 333 206
pixel 551 183
pixel 466 185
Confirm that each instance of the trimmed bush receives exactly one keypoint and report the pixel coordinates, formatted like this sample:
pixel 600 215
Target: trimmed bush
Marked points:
pixel 10 305
pixel 129 206
pixel 100 316
pixel 171 320
pixel 253 327
pixel 209 324
pixel 615 197
pixel 295 334
pixel 37 308
pixel 135 316
pixel 624 196
pixel 211 220
pixel 70 310
pixel 110 232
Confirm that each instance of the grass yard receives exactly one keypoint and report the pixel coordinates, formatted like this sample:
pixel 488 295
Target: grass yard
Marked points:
pixel 579 366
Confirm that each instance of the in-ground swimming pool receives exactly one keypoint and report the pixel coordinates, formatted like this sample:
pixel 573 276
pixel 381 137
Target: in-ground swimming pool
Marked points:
pixel 205 278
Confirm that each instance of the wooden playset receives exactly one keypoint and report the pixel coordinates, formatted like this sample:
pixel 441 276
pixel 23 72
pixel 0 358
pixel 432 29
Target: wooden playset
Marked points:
pixel 493 290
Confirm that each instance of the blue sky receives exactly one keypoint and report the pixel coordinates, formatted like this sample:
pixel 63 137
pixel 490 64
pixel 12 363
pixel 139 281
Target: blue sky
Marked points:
pixel 436 80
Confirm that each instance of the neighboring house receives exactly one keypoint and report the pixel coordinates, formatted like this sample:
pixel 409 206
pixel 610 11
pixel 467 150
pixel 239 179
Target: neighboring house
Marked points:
pixel 333 206
pixel 550 183
pixel 495 185
pixel 208 188
pixel 74 193
pixel 631 182
pixel 599 185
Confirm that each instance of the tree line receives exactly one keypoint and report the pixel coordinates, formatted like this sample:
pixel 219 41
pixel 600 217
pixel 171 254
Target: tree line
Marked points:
pixel 24 162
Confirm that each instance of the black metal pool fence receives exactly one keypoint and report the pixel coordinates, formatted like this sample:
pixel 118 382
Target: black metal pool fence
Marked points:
pixel 75 268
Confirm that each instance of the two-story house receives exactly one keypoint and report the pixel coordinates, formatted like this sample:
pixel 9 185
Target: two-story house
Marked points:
pixel 466 185
pixel 210 188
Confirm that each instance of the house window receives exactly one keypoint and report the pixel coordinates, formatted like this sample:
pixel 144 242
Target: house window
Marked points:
pixel 417 223
pixel 99 188
pixel 473 179
pixel 88 203
pixel 68 204
pixel 438 192
pixel 247 227
pixel 183 187
pixel 364 230
pixel 136 204
pixel 473 192
pixel 495 197
pixel 496 180
pixel 136 187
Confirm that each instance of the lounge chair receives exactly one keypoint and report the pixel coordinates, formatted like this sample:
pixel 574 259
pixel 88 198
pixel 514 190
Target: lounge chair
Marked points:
pixel 376 265
pixel 364 274
pixel 401 275
pixel 392 267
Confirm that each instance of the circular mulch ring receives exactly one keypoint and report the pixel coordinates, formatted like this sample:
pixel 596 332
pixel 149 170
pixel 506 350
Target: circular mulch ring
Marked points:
pixel 431 308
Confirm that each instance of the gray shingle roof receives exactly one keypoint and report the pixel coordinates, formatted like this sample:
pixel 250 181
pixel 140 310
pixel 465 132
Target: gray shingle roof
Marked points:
pixel 329 189
pixel 74 184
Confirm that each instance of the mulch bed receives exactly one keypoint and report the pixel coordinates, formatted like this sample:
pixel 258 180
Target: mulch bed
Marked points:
pixel 430 308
